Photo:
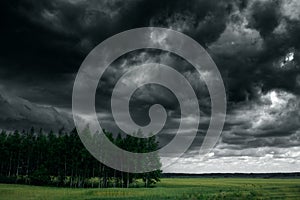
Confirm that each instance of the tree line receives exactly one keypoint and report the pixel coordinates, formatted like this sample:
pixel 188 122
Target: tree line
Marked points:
pixel 60 159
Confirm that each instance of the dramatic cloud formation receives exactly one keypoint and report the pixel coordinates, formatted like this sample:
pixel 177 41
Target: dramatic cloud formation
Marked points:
pixel 18 113
pixel 255 44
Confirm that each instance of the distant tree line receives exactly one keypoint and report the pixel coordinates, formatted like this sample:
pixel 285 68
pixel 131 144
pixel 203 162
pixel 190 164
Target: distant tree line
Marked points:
pixel 60 159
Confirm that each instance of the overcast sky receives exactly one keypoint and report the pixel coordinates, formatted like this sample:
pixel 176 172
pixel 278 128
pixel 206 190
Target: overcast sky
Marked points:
pixel 254 43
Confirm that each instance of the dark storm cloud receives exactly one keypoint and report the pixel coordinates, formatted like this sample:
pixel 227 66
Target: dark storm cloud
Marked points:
pixel 18 113
pixel 44 43
pixel 52 37
pixel 203 20
pixel 253 50
pixel 62 32
pixel 265 16
pixel 274 122
pixel 47 39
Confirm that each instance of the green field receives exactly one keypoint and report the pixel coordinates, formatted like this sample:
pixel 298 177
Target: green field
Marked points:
pixel 169 188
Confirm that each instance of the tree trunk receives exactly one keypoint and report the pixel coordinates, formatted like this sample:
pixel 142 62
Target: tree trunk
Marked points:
pixel 122 181
pixel 100 172
pixel 115 178
pixel 127 185
pixel 10 159
pixel 71 179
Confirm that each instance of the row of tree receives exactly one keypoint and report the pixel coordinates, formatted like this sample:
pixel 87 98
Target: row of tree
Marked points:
pixel 60 159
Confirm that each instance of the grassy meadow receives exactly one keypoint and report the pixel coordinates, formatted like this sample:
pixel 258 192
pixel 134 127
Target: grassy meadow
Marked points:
pixel 168 188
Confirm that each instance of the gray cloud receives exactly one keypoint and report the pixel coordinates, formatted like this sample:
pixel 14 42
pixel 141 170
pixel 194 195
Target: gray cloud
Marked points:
pixel 274 122
pixel 18 113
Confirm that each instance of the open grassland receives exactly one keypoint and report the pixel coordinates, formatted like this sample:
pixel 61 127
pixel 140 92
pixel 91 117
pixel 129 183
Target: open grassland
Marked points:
pixel 168 188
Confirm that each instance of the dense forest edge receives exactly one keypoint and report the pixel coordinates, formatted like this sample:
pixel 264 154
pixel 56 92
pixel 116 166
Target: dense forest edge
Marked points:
pixel 60 159
pixel 287 175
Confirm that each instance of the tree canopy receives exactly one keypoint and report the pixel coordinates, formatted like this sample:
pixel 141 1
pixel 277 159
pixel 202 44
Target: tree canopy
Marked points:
pixel 60 159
